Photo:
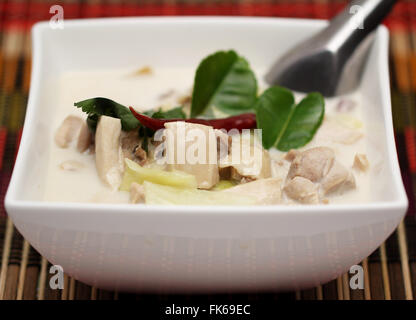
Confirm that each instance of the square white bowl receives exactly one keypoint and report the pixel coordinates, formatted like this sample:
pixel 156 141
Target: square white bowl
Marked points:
pixel 195 248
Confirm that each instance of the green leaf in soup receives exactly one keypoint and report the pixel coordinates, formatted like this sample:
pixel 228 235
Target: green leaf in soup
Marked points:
pixel 286 125
pixel 224 81
pixel 146 133
pixel 175 113
pixel 305 120
pixel 273 108
pixel 97 107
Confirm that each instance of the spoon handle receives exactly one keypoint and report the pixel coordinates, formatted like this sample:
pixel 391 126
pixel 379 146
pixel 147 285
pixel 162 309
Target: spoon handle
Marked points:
pixel 347 30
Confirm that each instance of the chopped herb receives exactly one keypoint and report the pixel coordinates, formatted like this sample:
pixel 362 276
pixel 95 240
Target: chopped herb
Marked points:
pixel 97 107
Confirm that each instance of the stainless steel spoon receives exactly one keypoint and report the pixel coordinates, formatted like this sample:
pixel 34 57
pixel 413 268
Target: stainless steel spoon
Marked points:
pixel 331 62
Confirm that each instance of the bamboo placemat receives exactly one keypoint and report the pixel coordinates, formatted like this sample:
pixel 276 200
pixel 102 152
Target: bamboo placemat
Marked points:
pixel 390 272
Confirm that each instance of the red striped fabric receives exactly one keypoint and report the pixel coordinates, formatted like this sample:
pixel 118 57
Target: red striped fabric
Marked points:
pixel 20 14
pixel 410 139
pixel 3 138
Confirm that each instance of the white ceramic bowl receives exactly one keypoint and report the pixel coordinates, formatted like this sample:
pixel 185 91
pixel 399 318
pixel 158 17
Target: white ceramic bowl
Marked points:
pixel 195 249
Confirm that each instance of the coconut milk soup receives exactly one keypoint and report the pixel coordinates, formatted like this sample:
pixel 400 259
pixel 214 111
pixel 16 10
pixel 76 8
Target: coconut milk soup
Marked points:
pixel 114 165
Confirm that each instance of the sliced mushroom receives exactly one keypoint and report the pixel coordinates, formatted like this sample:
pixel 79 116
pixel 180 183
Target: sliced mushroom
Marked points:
pixel 131 146
pixel 84 138
pixel 136 193
pixel 68 130
pixel 108 154
pixel 338 179
pixel 302 190
pixel 266 191
pixel 361 162
pixel 312 164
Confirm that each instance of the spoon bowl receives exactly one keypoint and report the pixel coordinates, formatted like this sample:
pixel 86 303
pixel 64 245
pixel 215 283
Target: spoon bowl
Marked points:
pixel 331 62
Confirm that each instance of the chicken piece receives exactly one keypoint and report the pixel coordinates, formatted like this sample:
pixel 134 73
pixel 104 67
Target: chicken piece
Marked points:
pixel 361 162
pixel 338 179
pixel 192 148
pixel 67 131
pixel 247 159
pixel 136 193
pixel 266 191
pixel 108 153
pixel 84 138
pixel 302 190
pixel 312 164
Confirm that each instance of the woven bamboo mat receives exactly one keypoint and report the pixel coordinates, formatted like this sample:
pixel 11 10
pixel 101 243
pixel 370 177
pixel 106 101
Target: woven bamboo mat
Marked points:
pixel 390 272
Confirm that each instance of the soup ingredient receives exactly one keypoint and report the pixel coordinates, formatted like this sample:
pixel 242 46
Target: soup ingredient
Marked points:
pixel 223 81
pixel 302 190
pixel 346 105
pixel 175 113
pixel 291 155
pixel 146 70
pixel 316 171
pixel 71 165
pixel 248 159
pixel 135 173
pixel 131 145
pixel 197 155
pixel 108 155
pixel 97 107
pixel 166 195
pixel 312 164
pixel 84 138
pixel 361 162
pixel 136 193
pixel 242 121
pixel 338 179
pixel 265 191
pixel 348 121
pixel 285 125
pixel 223 185
pixel 67 131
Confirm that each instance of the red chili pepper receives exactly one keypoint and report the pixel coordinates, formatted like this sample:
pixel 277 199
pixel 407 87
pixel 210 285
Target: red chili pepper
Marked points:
pixel 242 121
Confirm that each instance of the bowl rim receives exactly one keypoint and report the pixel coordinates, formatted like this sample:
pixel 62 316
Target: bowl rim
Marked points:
pixel 12 203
